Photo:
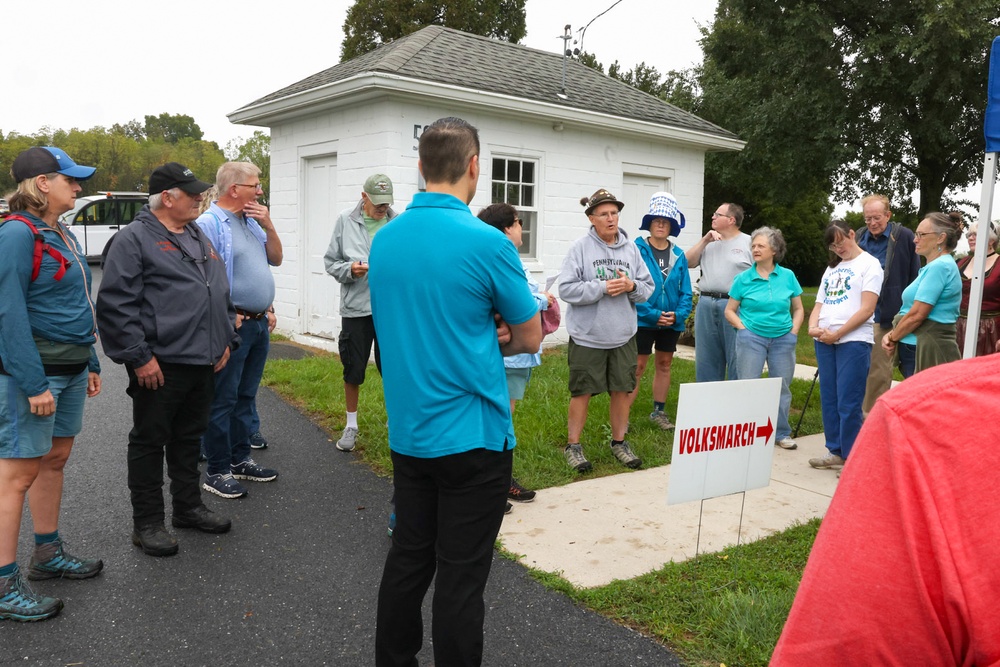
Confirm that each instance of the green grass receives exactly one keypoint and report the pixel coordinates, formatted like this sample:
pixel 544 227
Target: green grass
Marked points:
pixel 726 607
pixel 315 385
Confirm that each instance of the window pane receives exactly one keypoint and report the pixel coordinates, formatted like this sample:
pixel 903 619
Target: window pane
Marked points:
pixel 527 248
pixel 497 196
pixel 498 169
pixel 528 172
pixel 513 170
pixel 513 195
pixel 527 195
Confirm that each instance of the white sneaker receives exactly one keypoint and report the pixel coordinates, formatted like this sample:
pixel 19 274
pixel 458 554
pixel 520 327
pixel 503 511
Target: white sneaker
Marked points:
pixel 346 442
pixel 787 443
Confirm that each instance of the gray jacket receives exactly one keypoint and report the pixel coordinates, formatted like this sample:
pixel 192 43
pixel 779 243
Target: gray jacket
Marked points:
pixel 155 301
pixel 350 243
pixel 595 318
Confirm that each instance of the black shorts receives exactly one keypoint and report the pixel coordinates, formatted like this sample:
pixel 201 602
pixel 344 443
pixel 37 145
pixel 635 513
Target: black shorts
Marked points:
pixel 357 336
pixel 665 339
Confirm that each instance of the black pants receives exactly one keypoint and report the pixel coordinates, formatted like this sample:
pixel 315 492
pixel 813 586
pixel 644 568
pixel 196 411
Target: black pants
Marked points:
pixel 168 421
pixel 448 514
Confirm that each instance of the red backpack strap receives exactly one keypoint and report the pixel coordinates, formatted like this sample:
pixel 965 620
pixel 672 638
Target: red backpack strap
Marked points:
pixel 40 247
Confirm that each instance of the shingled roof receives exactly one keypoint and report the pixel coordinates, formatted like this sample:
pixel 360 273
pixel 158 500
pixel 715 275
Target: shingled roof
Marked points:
pixel 442 55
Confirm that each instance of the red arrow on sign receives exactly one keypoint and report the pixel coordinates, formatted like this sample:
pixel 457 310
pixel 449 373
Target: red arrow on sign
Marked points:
pixel 765 431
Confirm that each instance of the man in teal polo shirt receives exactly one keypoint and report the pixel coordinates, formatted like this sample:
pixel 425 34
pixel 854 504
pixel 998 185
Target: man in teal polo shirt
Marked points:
pixel 449 299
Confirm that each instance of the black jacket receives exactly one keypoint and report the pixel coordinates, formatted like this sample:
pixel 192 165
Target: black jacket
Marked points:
pixel 154 300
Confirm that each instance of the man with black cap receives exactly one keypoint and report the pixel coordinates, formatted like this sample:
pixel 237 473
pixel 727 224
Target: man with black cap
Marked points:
pixel 603 276
pixel 164 312
pixel 347 260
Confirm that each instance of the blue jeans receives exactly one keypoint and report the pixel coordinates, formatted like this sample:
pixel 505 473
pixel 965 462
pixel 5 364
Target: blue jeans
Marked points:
pixel 227 440
pixel 715 341
pixel 779 353
pixel 843 370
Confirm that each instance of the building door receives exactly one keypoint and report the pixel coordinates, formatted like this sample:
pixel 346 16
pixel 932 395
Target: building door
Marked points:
pixel 321 315
pixel 637 191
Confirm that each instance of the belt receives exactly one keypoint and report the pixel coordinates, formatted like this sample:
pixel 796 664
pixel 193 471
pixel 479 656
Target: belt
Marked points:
pixel 716 295
pixel 251 316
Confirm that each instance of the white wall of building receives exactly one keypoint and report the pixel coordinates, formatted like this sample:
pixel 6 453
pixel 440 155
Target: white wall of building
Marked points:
pixel 382 137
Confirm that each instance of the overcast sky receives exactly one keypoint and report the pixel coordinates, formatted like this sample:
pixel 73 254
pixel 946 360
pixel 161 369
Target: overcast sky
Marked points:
pixel 110 61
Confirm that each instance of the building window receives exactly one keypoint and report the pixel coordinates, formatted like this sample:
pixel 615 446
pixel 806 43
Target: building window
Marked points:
pixel 514 183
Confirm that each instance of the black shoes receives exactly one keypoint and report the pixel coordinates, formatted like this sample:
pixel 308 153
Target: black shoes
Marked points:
pixel 154 540
pixel 203 519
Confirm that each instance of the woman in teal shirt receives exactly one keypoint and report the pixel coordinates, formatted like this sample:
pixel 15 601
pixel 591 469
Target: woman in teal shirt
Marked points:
pixel 765 306
pixel 931 302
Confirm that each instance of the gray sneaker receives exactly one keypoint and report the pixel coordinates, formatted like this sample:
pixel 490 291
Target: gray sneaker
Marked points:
pixel 575 458
pixel 346 442
pixel 828 461
pixel 624 454
pixel 660 418
pixel 787 443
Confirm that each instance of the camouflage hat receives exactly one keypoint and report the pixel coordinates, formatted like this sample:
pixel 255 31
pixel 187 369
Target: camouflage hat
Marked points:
pixel 602 196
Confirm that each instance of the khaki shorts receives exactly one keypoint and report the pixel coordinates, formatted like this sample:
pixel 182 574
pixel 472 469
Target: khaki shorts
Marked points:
pixel 594 371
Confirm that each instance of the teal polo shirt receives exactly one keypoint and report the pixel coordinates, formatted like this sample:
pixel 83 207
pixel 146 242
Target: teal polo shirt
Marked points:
pixel 766 305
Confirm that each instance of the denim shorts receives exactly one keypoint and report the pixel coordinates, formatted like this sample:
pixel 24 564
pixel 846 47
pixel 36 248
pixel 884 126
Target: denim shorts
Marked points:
pixel 24 435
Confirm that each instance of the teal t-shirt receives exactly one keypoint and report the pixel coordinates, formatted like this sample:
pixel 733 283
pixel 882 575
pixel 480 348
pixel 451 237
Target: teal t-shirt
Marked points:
pixel 766 305
pixel 938 284
pixel 438 274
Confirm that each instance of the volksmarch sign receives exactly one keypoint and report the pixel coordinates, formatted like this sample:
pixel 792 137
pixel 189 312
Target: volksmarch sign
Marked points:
pixel 724 438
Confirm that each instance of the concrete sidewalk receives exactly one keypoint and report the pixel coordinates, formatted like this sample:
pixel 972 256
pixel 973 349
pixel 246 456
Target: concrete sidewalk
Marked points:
pixel 618 527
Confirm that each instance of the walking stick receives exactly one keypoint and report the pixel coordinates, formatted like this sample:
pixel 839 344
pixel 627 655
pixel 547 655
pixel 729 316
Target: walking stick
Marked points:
pixel 808 396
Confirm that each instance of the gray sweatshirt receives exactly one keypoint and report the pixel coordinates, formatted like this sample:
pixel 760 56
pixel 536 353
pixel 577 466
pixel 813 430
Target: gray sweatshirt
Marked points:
pixel 595 318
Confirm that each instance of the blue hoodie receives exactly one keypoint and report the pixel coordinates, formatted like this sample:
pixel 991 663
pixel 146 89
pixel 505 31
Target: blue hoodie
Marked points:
pixel 61 311
pixel 670 295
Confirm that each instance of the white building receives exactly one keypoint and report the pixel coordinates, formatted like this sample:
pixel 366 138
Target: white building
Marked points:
pixel 552 131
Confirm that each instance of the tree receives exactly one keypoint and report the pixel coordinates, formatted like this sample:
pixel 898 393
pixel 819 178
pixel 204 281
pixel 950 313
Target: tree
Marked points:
pixel 171 128
pixel 851 96
pixel 371 23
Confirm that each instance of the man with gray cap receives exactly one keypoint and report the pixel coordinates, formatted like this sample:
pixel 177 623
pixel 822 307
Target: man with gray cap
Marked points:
pixel 347 260
pixel 164 312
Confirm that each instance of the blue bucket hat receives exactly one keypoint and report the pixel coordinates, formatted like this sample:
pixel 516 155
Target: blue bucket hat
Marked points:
pixel 663 205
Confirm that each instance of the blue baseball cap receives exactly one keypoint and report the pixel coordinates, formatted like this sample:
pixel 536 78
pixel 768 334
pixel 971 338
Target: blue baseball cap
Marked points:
pixel 663 205
pixel 39 160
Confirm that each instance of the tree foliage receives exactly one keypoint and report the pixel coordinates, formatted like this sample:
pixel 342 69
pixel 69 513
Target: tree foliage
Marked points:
pixel 371 23
pixel 171 128
pixel 124 157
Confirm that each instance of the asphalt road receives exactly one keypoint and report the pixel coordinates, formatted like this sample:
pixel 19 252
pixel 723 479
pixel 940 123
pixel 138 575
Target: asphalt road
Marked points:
pixel 294 583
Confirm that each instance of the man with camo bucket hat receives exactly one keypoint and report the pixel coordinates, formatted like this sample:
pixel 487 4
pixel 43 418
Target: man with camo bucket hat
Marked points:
pixel 603 278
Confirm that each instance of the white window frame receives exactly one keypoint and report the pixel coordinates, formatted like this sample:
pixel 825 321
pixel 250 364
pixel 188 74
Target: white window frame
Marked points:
pixel 530 215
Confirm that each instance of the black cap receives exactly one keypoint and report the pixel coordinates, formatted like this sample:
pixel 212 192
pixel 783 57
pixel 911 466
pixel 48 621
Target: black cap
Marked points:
pixel 175 175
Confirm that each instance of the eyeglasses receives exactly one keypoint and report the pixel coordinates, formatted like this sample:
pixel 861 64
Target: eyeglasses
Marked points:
pixel 605 216
pixel 255 186
pixel 921 235
pixel 874 218
pixel 834 247
pixel 519 222
pixel 721 215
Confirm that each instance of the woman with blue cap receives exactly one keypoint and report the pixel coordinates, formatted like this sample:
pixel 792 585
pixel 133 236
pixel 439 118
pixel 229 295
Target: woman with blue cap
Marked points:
pixel 662 317
pixel 47 367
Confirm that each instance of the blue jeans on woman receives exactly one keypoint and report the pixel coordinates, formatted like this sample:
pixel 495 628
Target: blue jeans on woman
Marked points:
pixel 843 371
pixel 779 353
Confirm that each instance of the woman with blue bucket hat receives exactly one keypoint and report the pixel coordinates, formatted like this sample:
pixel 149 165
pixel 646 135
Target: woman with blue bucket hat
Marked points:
pixel 662 317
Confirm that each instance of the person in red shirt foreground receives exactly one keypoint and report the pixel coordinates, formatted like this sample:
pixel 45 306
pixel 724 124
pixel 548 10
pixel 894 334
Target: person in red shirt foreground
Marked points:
pixel 904 569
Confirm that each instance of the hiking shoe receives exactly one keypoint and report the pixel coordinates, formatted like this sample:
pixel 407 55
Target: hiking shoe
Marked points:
pixel 787 443
pixel 154 540
pixel 518 493
pixel 828 461
pixel 51 560
pixel 575 458
pixel 225 485
pixel 203 519
pixel 508 509
pixel 392 523
pixel 19 603
pixel 258 441
pixel 660 418
pixel 254 472
pixel 624 454
pixel 346 442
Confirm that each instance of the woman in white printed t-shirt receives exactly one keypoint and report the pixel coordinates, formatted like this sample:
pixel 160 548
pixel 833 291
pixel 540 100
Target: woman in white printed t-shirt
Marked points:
pixel 842 325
